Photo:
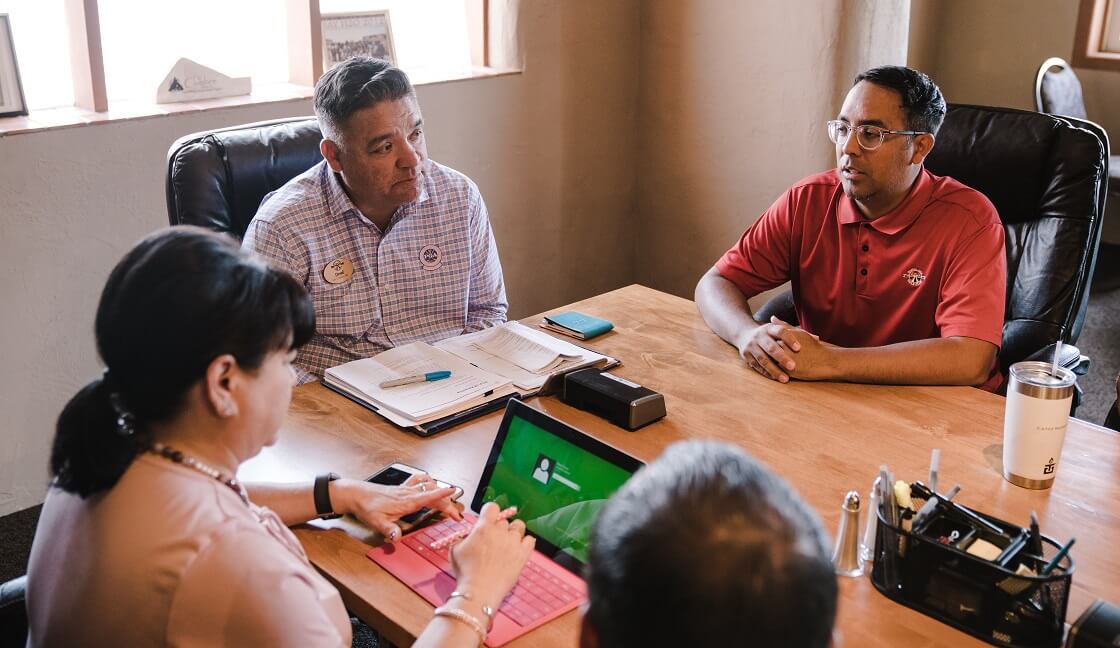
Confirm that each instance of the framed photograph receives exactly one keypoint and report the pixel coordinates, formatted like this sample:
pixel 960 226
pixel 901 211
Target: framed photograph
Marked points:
pixel 11 90
pixel 357 34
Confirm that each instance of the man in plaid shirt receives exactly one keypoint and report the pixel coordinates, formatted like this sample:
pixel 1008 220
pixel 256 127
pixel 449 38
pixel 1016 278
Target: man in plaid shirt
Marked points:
pixel 392 246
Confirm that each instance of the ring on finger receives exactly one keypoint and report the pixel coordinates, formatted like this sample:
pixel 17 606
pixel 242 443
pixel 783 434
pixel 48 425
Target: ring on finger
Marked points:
pixel 423 487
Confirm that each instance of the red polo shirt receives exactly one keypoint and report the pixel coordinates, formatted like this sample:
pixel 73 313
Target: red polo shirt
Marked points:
pixel 932 267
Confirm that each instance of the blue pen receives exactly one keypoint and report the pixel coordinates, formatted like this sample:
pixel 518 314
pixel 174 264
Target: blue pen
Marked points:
pixel 408 380
pixel 1057 558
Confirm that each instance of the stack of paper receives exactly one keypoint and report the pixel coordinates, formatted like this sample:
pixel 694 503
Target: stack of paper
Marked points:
pixel 485 367
pixel 525 356
pixel 516 347
pixel 420 402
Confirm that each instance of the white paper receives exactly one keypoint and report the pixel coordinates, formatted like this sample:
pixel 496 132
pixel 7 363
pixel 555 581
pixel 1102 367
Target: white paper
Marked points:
pixel 506 342
pixel 422 400
pixel 467 347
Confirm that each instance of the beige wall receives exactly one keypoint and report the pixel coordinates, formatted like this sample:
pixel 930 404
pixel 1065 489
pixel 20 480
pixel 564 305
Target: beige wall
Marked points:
pixel 552 150
pixel 639 141
pixel 989 52
pixel 734 97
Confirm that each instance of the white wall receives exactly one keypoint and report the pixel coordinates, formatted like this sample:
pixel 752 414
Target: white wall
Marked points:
pixel 551 150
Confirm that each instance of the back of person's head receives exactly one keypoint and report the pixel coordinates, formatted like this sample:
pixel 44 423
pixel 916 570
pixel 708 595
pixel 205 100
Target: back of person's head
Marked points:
pixel 922 100
pixel 354 84
pixel 179 299
pixel 707 547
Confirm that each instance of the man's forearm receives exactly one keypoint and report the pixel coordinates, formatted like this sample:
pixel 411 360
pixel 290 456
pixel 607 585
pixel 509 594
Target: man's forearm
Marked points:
pixel 724 307
pixel 938 361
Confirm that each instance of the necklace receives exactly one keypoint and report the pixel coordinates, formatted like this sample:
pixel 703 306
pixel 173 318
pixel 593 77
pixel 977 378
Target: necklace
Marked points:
pixel 178 457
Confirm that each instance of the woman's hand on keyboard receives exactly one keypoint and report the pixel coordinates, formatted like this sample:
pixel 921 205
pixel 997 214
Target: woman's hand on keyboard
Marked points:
pixel 488 561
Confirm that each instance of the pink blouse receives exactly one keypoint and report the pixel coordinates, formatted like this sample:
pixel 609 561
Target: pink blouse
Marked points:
pixel 170 556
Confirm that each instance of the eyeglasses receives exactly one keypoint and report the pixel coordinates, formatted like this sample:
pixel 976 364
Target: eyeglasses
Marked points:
pixel 868 137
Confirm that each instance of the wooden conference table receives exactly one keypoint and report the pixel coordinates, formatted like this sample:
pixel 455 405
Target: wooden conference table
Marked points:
pixel 824 438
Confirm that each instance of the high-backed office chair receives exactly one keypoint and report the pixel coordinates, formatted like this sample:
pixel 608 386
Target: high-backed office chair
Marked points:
pixel 13 612
pixel 1047 177
pixel 1112 420
pixel 1057 90
pixel 217 179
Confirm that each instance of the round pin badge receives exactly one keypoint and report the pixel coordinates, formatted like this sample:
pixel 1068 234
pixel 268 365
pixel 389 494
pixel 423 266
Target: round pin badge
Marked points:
pixel 338 271
pixel 431 257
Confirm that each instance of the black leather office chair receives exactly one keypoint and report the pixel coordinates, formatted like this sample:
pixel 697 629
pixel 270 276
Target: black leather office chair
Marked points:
pixel 1057 91
pixel 1112 420
pixel 1047 177
pixel 217 179
pixel 13 613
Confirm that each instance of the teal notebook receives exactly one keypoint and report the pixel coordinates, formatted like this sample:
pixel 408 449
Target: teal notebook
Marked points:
pixel 577 325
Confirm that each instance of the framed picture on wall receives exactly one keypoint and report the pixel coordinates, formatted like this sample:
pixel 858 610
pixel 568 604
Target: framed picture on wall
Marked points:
pixel 11 89
pixel 357 34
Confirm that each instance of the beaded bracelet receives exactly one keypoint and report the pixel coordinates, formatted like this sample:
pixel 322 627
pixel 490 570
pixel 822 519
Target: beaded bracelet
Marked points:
pixel 464 617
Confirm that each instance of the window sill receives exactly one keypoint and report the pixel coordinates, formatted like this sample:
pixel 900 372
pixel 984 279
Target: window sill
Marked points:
pixel 71 117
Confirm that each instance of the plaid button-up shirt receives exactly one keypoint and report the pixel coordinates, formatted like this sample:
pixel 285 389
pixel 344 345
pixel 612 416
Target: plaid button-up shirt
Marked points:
pixel 433 273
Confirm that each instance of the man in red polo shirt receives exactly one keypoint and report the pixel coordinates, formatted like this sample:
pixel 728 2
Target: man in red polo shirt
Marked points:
pixel 898 275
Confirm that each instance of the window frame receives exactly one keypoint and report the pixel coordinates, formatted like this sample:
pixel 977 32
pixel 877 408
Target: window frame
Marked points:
pixel 305 55
pixel 1088 41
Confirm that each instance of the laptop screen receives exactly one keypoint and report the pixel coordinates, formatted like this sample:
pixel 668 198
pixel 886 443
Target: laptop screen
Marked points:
pixel 558 477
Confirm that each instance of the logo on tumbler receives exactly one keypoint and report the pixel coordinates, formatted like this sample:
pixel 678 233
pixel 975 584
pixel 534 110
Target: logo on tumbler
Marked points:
pixel 1048 469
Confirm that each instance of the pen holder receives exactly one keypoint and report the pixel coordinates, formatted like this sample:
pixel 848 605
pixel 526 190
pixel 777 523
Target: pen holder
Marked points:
pixel 986 599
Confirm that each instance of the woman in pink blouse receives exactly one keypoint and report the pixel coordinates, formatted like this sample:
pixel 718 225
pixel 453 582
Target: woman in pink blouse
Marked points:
pixel 146 538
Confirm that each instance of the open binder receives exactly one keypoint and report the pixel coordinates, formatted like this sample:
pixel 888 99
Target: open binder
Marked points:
pixel 487 369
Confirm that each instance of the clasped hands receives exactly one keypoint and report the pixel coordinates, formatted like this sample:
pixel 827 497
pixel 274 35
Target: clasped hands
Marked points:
pixel 781 351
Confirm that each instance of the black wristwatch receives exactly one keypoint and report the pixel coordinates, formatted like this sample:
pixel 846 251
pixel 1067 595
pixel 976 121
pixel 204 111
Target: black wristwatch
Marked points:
pixel 322 494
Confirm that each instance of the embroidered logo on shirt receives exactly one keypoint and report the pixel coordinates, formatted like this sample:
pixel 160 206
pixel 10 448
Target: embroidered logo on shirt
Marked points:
pixel 431 257
pixel 914 277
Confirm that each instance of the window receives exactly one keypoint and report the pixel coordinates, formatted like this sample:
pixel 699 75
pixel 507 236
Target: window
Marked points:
pixel 430 36
pixel 1097 41
pixel 132 44
pixel 141 40
pixel 42 51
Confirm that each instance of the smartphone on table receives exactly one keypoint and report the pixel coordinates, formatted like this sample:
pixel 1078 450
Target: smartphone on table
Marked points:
pixel 396 474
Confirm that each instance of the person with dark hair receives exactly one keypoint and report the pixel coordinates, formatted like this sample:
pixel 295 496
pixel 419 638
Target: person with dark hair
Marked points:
pixel 717 549
pixel 146 537
pixel 392 246
pixel 898 275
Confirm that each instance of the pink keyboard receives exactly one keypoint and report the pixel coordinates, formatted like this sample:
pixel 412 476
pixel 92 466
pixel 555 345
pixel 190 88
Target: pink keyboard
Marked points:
pixel 537 593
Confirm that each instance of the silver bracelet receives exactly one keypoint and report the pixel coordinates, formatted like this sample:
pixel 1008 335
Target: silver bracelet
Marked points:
pixel 486 609
pixel 464 617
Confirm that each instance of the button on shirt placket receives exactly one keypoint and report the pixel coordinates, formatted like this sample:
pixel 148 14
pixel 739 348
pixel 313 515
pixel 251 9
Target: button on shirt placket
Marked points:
pixel 863 259
pixel 371 252
pixel 382 267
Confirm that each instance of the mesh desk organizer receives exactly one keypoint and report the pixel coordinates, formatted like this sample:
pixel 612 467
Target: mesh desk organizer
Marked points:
pixel 985 598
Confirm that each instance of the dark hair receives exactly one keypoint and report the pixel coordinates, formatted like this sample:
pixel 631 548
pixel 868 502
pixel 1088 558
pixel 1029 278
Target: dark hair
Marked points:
pixel 182 297
pixel 710 544
pixel 354 84
pixel 922 100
